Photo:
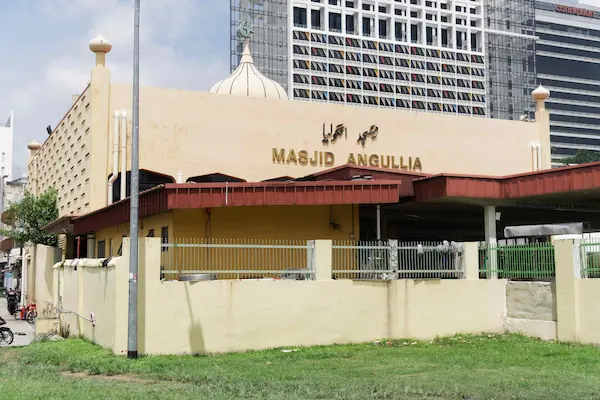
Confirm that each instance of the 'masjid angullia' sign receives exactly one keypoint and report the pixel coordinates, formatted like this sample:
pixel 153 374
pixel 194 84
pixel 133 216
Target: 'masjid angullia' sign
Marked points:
pixel 328 159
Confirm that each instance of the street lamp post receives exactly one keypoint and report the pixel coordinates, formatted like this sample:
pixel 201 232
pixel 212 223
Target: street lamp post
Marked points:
pixel 132 319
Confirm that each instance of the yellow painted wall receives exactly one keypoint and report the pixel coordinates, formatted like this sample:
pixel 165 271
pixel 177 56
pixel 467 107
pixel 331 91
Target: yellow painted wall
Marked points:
pixel 68 287
pixel 193 132
pixel 576 298
pixel 102 291
pixel 588 318
pixel 45 257
pixel 283 223
pixel 237 315
pixel 273 222
pixel 280 222
pixel 116 233
pixel 225 316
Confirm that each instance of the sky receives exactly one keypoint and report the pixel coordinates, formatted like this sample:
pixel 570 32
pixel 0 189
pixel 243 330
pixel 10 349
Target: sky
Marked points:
pixel 45 58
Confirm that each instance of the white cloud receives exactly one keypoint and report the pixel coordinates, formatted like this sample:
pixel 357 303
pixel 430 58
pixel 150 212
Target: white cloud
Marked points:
pixel 594 3
pixel 184 44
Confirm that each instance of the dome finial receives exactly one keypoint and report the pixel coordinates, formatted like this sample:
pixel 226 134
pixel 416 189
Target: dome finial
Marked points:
pixel 247 80
pixel 34 145
pixel 100 45
pixel 245 29
pixel 541 93
pixel 246 54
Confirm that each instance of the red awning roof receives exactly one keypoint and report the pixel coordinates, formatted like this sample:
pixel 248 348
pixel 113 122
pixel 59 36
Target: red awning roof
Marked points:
pixel 339 186
pixel 211 195
pixel 569 179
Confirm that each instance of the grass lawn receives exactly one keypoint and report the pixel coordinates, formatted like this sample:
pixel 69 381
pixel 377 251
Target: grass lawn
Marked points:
pixel 462 367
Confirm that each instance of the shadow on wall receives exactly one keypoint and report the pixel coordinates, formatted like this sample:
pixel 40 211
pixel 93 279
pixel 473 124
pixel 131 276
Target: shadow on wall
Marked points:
pixel 197 345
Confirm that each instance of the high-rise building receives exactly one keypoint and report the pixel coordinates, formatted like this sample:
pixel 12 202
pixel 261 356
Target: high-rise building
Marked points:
pixel 510 46
pixel 426 55
pixel 6 147
pixel 568 64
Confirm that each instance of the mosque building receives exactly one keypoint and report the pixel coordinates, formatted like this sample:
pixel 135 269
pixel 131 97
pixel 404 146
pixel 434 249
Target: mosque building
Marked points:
pixel 245 161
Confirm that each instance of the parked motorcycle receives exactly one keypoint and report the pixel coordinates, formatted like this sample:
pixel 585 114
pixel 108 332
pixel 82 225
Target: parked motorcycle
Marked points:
pixel 6 335
pixel 12 301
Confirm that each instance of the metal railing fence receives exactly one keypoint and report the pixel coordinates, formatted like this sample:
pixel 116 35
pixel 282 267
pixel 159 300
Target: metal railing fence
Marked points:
pixel 532 261
pixel 590 257
pixel 384 260
pixel 210 259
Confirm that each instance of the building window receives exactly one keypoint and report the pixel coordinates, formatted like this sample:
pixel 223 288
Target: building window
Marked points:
pixel 101 249
pixel 383 33
pixel 150 233
pixel 315 19
pixel 164 236
pixel 335 22
pixel 300 17
pixel 366 26
pixel 350 24
pixel 110 247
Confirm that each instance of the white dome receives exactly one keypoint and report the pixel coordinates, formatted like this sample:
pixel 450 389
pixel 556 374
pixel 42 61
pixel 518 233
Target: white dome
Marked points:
pixel 248 81
pixel 541 93
pixel 100 45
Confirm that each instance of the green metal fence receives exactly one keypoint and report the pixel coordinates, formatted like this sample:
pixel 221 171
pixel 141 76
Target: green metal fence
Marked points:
pixel 590 258
pixel 528 262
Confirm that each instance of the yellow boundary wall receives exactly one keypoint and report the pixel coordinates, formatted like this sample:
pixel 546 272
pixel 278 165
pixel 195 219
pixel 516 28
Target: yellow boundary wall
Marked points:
pixel 230 315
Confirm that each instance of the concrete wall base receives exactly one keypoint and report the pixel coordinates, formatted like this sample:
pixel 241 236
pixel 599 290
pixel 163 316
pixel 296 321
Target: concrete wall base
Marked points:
pixel 545 330
pixel 43 326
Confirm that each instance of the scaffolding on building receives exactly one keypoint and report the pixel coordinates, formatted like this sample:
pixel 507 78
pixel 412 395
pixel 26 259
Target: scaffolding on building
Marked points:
pixel 510 57
pixel 269 43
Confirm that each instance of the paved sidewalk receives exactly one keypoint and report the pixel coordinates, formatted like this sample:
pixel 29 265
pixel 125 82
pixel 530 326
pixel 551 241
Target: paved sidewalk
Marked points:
pixel 16 326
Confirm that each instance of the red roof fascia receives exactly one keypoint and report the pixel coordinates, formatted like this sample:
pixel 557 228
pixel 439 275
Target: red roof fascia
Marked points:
pixel 211 195
pixel 151 202
pixel 538 183
pixel 282 193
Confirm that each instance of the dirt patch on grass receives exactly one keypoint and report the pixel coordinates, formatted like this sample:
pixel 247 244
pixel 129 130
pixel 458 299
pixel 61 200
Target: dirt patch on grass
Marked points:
pixel 129 378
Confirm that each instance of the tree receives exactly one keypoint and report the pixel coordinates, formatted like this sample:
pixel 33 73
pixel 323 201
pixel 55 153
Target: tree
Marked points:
pixel 582 157
pixel 25 219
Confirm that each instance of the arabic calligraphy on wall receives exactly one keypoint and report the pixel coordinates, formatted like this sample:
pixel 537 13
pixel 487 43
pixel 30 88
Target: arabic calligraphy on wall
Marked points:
pixel 331 135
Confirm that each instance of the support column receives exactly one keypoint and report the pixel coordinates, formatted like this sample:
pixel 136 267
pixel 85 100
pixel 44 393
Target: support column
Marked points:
pixel 491 241
pixel 567 312
pixel 378 222
pixel 470 261
pixel 322 256
pixel 91 246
